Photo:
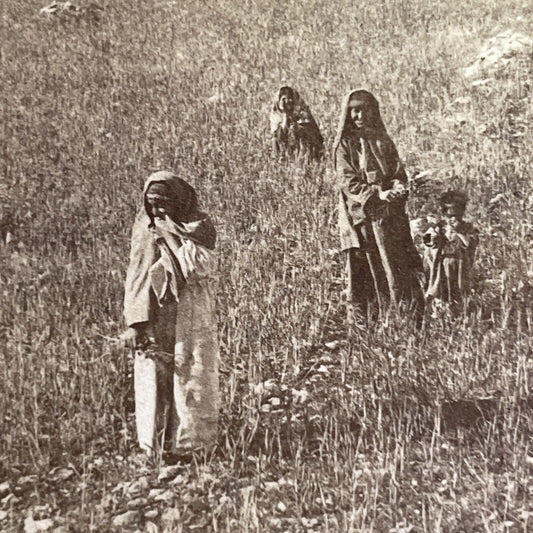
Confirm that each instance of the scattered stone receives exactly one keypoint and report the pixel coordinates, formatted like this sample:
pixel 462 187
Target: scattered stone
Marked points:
pixel 178 480
pixel 281 507
pixel 168 472
pixel 61 474
pixel 309 522
pixel 136 503
pixel 171 515
pixel 68 8
pixel 401 527
pixel 154 493
pixel 150 527
pixel 11 499
pixel 57 7
pixel 300 396
pixel 166 496
pixel 151 514
pixel 138 487
pixel 271 486
pixel 27 480
pixel 266 386
pixel 498 52
pixel 3 515
pixel 4 488
pixel 34 526
pixel 125 519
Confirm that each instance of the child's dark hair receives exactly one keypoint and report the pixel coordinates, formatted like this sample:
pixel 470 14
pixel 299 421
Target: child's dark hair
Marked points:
pixel 453 198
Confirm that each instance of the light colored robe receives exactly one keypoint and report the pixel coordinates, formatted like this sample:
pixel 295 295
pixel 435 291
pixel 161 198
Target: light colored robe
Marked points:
pixel 176 376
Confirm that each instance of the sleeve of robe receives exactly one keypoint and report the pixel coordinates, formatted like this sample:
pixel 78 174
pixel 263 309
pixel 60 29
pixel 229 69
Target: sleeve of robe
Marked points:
pixel 392 167
pixel 143 254
pixel 351 182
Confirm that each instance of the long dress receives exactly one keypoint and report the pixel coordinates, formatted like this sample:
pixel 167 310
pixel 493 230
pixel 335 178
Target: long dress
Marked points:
pixel 295 133
pixel 169 285
pixel 382 261
pixel 448 262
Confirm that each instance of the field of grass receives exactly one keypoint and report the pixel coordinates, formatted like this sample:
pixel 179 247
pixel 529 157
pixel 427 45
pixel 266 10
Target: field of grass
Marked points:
pixel 323 428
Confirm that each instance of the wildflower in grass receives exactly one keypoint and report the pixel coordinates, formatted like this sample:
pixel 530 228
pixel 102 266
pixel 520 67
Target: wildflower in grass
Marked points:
pixel 292 126
pixel 450 246
pixel 170 311
pixel 382 261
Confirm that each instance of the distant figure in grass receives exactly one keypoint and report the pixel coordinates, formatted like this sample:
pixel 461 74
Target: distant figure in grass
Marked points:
pixel 169 309
pixel 450 246
pixel 292 126
pixel 382 262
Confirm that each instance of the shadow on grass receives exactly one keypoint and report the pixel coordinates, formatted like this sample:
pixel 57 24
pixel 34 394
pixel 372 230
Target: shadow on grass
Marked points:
pixel 274 436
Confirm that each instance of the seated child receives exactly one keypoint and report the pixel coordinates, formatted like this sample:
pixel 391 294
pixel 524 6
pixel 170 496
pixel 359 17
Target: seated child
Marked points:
pixel 450 246
pixel 293 128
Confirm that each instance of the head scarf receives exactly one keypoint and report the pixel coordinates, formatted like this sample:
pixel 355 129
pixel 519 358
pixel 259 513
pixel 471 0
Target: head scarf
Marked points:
pixel 375 133
pixel 185 243
pixel 300 112
pixel 192 224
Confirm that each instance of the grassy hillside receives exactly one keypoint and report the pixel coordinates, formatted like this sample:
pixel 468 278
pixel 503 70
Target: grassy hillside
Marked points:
pixel 323 429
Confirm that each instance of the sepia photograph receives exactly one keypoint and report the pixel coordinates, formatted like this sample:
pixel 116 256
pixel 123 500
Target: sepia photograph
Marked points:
pixel 266 266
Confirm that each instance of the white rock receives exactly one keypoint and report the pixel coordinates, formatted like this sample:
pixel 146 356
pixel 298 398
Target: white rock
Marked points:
pixel 150 527
pixel 281 507
pixel 4 488
pixel 125 519
pixel 275 401
pixel 137 502
pixel 34 526
pixel 171 515
pixel 178 480
pixel 300 396
pixel 3 515
pixel 61 474
pixel 154 493
pixel 168 472
pixel 139 486
pixel 166 496
pixel 26 480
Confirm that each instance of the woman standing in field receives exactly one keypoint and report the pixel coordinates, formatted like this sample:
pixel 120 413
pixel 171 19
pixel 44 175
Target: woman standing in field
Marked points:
pixel 382 261
pixel 170 313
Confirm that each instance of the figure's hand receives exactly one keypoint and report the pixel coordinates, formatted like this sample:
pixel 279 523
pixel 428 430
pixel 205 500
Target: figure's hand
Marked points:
pixel 450 233
pixel 389 195
pixel 129 338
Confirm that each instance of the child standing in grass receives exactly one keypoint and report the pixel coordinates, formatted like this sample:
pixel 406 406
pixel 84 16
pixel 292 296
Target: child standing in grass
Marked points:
pixel 170 312
pixel 450 245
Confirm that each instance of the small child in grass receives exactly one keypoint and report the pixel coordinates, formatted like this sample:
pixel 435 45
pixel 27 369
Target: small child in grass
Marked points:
pixel 450 246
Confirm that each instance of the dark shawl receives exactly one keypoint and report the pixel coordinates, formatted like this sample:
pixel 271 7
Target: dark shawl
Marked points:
pixel 359 187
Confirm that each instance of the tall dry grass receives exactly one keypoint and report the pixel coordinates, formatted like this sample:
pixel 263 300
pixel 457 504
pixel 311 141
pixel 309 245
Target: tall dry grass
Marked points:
pixel 367 431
